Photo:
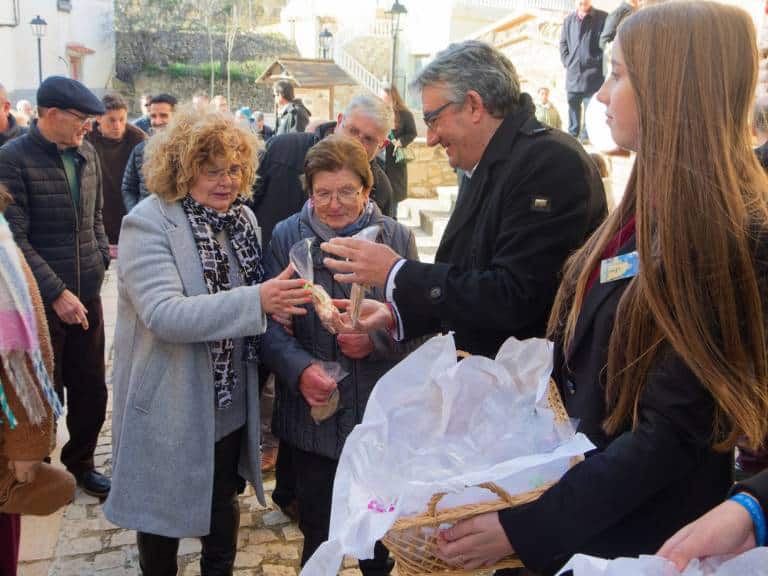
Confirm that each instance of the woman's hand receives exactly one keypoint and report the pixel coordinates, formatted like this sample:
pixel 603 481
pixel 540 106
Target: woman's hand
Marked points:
pixel 24 470
pixel 315 385
pixel 474 543
pixel 283 296
pixel 355 346
pixel 726 529
pixel 374 315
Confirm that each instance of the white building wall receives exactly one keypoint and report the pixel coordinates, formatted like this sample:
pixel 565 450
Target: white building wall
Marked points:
pixel 90 23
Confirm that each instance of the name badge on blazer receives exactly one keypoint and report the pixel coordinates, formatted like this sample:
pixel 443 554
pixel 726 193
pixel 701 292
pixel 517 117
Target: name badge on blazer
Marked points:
pixel 619 267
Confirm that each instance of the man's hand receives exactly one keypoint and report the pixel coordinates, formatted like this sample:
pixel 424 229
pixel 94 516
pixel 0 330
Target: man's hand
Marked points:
pixel 283 296
pixel 355 346
pixel 474 543
pixel 374 315
pixel 367 262
pixel 315 385
pixel 726 529
pixel 70 310
pixel 24 470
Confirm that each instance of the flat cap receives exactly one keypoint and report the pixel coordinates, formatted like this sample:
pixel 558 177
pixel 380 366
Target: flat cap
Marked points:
pixel 61 92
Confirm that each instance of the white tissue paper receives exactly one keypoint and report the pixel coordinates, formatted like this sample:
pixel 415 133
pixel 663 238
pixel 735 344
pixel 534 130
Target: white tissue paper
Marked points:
pixel 433 424
pixel 751 563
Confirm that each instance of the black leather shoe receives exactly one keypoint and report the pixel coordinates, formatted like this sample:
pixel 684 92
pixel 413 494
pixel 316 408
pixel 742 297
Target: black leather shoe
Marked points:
pixel 95 484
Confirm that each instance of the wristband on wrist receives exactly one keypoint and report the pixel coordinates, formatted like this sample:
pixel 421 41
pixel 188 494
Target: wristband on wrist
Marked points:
pixel 756 513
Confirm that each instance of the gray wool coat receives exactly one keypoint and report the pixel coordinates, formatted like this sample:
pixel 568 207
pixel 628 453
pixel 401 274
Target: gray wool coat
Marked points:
pixel 163 419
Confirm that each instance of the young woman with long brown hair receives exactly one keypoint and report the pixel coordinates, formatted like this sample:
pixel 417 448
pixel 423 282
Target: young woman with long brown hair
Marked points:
pixel 659 324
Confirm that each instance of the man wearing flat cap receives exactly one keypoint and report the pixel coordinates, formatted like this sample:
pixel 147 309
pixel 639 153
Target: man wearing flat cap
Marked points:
pixel 56 218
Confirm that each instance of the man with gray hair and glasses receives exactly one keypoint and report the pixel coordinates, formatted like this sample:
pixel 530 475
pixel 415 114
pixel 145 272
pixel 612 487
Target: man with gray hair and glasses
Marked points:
pixel 529 197
pixel 278 193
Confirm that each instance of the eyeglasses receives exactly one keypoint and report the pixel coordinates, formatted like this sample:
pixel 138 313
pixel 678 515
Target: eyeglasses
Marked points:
pixel 234 173
pixel 344 195
pixel 365 139
pixel 430 118
pixel 82 119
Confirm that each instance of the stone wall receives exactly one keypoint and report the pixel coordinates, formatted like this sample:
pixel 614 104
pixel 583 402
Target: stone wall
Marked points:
pixel 138 51
pixel 243 93
pixel 372 52
pixel 428 170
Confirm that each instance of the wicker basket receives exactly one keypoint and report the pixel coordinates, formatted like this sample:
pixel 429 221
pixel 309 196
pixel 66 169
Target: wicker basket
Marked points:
pixel 412 540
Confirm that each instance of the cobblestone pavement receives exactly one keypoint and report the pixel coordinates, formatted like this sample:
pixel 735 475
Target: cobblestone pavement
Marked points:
pixel 269 544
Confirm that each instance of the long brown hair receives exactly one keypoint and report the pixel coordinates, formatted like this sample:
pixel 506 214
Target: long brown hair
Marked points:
pixel 699 198
pixel 398 104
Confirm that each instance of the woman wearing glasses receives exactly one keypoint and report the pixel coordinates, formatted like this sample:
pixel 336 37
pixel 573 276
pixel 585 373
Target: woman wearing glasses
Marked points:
pixel 338 179
pixel 192 300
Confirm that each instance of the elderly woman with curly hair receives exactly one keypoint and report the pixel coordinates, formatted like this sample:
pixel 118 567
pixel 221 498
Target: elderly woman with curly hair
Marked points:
pixel 191 307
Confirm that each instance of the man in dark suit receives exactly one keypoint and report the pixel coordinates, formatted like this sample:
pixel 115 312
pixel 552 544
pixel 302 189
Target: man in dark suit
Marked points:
pixel 530 196
pixel 582 57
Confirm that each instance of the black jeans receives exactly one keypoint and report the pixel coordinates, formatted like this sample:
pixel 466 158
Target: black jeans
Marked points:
pixel 577 109
pixel 79 370
pixel 157 554
pixel 314 491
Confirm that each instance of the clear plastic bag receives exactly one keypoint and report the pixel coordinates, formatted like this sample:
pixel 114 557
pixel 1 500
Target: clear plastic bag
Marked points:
pixel 300 256
pixel 751 563
pixel 337 373
pixel 357 292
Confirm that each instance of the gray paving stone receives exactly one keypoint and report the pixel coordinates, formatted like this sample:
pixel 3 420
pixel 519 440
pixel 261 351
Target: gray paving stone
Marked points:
pixel 275 518
pixel 77 546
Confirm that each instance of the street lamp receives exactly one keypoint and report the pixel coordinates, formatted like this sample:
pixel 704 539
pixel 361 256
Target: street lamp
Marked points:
pixel 326 38
pixel 395 13
pixel 38 31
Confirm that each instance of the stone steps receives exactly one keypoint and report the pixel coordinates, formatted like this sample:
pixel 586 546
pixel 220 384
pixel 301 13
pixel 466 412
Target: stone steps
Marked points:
pixel 428 218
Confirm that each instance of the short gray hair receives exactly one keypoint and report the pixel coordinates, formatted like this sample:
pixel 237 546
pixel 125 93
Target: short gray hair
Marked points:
pixel 474 65
pixel 372 107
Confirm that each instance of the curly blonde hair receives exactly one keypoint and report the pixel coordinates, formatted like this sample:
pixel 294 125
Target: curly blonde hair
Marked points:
pixel 175 157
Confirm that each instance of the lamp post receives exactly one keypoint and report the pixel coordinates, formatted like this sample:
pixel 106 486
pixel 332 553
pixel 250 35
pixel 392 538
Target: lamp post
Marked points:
pixel 38 31
pixel 394 13
pixel 325 43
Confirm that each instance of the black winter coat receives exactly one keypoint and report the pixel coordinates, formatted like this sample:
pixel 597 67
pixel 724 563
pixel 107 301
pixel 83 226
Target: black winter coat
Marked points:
pixel 293 118
pixel 758 487
pixel 639 486
pixel 279 193
pixel 65 245
pixel 612 23
pixel 580 51
pixel 13 130
pixel 397 172
pixel 534 198
pixel 133 188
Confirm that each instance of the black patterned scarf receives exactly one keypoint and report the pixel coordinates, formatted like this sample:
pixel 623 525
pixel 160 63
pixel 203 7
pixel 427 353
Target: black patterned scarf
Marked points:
pixel 206 223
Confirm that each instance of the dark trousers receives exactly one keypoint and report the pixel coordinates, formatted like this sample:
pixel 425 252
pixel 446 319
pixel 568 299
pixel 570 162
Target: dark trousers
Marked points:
pixel 285 476
pixel 577 108
pixel 157 554
pixel 79 370
pixel 314 491
pixel 10 533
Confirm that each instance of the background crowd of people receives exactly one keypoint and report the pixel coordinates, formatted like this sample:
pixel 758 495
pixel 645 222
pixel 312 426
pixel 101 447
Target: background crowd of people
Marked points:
pixel 664 364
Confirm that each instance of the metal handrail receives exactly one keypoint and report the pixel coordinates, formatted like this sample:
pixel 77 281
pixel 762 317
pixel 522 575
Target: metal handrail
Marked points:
pixel 355 69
